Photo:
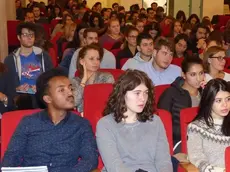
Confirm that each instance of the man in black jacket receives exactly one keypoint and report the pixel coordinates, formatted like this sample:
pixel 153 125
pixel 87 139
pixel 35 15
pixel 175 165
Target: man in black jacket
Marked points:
pixel 24 65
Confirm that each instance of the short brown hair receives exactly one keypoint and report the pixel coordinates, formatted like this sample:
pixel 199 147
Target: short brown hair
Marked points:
pixel 162 41
pixel 209 54
pixel 82 54
pixel 88 30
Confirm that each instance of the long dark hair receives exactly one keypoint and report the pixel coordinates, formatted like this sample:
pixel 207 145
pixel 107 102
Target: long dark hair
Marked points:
pixel 206 103
pixel 127 82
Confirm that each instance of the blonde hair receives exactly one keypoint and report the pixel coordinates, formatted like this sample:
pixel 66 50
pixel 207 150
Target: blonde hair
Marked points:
pixel 209 54
pixel 68 29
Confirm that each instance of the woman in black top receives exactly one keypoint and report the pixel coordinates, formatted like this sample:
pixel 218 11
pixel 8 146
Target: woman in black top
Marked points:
pixel 130 45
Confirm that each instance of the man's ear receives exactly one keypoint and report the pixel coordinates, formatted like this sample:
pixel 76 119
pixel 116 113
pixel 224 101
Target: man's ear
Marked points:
pixel 19 38
pixel 47 99
pixel 138 48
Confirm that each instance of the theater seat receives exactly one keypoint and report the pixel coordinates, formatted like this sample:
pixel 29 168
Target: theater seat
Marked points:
pixel 10 120
pixel 227 159
pixel 159 90
pixel 166 118
pixel 177 61
pixel 11 32
pixel 186 116
pixel 123 61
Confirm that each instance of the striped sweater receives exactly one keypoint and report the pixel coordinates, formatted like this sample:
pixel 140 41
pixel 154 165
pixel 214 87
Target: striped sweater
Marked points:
pixel 206 146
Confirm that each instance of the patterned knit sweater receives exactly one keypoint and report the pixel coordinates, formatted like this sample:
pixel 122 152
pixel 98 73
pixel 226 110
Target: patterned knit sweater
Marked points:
pixel 206 146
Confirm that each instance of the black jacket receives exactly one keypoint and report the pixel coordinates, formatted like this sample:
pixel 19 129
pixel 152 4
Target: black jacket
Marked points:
pixel 173 100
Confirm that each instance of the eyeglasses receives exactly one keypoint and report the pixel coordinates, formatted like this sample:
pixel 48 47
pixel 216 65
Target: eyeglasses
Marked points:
pixel 219 58
pixel 28 35
pixel 132 36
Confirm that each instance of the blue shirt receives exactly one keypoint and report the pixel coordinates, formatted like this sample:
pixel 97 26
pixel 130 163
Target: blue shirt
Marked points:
pixel 161 77
pixel 38 142
pixel 31 69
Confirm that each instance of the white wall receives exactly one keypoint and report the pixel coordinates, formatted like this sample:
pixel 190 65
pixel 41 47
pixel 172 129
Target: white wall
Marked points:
pixel 213 7
pixel 196 7
pixel 181 5
pixel 46 1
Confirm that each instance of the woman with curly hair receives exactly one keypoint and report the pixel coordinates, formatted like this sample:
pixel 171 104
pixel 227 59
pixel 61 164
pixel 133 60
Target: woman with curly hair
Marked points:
pixel 129 136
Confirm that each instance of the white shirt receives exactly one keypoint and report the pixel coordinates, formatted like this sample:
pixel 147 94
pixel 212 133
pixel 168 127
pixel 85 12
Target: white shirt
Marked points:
pixel 226 77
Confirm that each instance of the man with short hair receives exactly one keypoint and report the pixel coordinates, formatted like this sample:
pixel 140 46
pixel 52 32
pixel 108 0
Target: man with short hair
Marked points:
pixel 115 6
pixel 31 4
pixel 29 17
pixel 25 64
pixel 91 36
pixel 145 51
pixel 151 15
pixel 154 6
pixel 54 137
pixel 37 15
pixel 139 24
pixel 160 70
pixel 198 39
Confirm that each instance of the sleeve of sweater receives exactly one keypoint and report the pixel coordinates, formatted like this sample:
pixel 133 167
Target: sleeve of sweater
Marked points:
pixel 17 146
pixel 88 151
pixel 107 146
pixel 127 64
pixel 73 65
pixel 78 91
pixel 109 60
pixel 166 100
pixel 195 151
pixel 162 159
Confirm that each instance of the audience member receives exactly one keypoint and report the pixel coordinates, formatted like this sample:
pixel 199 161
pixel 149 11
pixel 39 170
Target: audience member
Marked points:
pixel 54 137
pixel 145 51
pixel 130 45
pixel 24 65
pixel 160 70
pixel 214 62
pixel 108 60
pixel 197 40
pixel 208 134
pixel 180 15
pixel 77 42
pixel 193 20
pixel 180 43
pixel 37 15
pixel 113 34
pixel 29 16
pixel 130 111
pixel 153 29
pixel 184 92
pixel 88 64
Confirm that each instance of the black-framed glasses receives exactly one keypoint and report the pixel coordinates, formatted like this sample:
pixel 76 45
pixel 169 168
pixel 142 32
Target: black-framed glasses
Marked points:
pixel 28 35
pixel 219 58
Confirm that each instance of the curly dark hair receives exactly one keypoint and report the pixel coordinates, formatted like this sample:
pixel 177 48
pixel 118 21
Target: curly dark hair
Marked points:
pixel 127 82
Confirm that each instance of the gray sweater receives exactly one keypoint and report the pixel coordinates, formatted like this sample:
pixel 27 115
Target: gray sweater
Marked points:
pixel 206 146
pixel 129 147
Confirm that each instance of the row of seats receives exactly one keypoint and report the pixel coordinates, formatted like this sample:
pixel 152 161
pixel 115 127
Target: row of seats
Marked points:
pixel 10 121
